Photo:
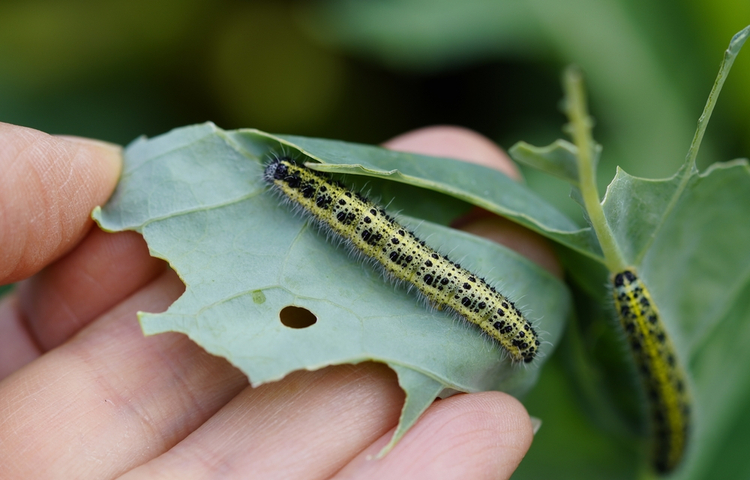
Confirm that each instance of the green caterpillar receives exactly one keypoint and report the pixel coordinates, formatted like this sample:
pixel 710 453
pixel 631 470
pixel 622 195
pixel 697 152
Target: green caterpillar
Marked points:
pixel 370 231
pixel 664 380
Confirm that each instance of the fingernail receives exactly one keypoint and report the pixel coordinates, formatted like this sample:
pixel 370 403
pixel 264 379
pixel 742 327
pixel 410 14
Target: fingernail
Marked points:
pixel 536 424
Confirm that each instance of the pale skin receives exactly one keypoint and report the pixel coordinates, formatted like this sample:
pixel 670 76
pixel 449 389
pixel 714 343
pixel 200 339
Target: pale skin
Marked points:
pixel 83 394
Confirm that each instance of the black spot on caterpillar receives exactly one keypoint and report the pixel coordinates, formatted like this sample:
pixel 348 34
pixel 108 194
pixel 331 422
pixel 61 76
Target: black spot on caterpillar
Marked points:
pixel 663 379
pixel 369 230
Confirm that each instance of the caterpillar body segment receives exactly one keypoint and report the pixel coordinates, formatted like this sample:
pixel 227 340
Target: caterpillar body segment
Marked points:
pixel 663 379
pixel 369 230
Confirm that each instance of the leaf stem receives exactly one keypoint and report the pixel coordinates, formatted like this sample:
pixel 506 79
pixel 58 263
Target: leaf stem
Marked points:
pixel 726 64
pixel 580 129
pixel 689 168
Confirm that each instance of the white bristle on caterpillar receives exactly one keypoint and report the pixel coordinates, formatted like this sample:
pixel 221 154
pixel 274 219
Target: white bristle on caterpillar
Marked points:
pixel 369 230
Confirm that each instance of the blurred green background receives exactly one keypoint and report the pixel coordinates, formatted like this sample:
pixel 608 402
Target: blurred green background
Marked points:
pixel 366 71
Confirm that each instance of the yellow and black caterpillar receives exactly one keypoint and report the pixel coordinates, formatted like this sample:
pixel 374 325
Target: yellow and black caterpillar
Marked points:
pixel 664 380
pixel 370 231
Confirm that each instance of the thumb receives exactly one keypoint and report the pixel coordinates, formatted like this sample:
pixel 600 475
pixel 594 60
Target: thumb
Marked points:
pixel 48 187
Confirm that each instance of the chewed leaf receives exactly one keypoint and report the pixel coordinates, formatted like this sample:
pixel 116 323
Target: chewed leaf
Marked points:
pixel 245 257
pixel 421 391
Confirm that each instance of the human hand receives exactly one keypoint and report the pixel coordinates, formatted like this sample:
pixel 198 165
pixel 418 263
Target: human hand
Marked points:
pixel 86 395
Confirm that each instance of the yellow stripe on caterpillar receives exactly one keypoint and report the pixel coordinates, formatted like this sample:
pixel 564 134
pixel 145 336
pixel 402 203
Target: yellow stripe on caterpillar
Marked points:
pixel 663 379
pixel 372 232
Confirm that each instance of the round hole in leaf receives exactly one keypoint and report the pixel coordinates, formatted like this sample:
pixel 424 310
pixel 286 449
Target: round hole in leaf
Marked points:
pixel 297 317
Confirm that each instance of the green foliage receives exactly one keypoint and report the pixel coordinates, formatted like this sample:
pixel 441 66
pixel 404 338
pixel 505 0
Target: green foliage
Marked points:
pixel 698 269
pixel 685 234
pixel 116 69
pixel 641 58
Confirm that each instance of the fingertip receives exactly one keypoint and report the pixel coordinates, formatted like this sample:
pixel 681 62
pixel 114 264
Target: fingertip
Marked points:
pixel 48 189
pixel 513 417
pixel 499 426
pixel 479 435
pixel 498 418
pixel 455 142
